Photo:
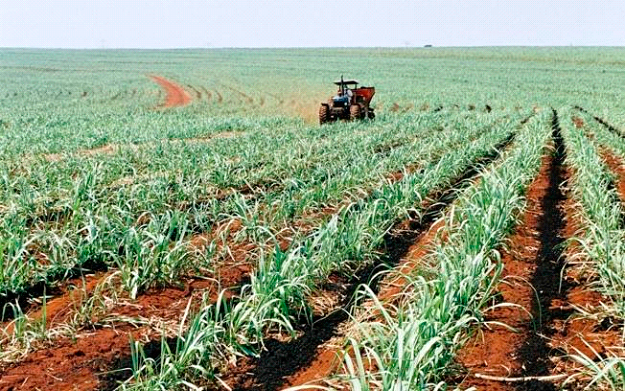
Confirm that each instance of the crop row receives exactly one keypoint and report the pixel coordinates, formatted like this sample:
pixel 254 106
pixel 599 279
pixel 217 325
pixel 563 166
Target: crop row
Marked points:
pixel 601 240
pixel 140 274
pixel 411 339
pixel 276 298
pixel 138 223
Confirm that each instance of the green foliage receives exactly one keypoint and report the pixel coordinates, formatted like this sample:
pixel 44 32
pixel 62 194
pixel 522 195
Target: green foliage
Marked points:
pixel 94 174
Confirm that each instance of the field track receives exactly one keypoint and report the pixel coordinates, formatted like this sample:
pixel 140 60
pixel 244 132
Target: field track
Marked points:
pixel 176 95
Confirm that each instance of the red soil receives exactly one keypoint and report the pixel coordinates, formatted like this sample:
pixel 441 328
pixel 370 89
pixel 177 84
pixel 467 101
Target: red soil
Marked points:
pixel 327 362
pixel 584 335
pixel 75 364
pixel 396 282
pixel 616 166
pixel 579 122
pixel 176 95
pixel 492 350
pixel 328 359
pixel 60 308
pixel 70 365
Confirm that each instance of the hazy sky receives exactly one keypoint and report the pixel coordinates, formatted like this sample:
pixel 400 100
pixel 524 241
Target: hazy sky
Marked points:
pixel 289 23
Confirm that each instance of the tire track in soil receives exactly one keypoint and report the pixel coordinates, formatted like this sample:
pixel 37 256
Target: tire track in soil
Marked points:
pixel 531 281
pixel 305 359
pixel 176 95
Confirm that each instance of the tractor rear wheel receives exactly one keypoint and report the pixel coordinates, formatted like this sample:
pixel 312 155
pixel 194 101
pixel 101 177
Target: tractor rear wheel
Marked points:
pixel 354 112
pixel 323 114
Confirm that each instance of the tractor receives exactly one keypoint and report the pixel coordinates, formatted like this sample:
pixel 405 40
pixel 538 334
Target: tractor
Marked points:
pixel 350 103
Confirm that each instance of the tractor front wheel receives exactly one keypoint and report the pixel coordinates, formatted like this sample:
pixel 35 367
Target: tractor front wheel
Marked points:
pixel 324 115
pixel 354 112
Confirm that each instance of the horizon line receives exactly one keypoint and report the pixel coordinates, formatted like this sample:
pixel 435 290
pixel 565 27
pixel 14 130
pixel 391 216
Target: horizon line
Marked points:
pixel 425 46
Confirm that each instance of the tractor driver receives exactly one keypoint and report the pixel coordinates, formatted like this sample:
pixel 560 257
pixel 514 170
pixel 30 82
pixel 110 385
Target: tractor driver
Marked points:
pixel 349 93
pixel 343 98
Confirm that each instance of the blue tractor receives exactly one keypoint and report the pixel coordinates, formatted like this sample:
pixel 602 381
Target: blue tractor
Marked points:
pixel 350 103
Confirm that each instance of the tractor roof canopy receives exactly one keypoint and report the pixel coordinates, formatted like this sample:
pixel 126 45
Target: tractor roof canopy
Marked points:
pixel 339 82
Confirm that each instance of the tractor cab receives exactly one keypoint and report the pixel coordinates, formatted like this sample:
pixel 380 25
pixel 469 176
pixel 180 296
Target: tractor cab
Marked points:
pixel 344 94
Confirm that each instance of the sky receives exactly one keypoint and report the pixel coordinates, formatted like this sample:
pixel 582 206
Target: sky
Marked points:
pixel 309 23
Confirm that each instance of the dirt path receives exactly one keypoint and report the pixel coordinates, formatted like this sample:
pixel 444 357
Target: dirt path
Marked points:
pixel 176 95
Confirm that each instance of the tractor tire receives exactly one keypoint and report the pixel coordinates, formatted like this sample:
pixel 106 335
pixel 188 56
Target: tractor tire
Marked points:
pixel 324 115
pixel 354 112
pixel 371 115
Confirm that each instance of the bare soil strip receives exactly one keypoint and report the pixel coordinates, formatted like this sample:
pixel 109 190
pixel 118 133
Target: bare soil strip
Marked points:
pixel 531 267
pixel 535 352
pixel 586 331
pixel 81 363
pixel 534 356
pixel 311 357
pixel 176 95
